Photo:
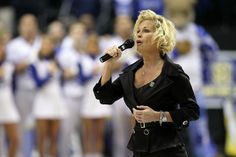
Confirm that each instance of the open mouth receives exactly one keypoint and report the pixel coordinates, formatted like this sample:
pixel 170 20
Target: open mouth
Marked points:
pixel 138 42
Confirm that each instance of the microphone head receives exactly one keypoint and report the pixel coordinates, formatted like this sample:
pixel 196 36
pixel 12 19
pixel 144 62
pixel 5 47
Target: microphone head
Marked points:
pixel 129 43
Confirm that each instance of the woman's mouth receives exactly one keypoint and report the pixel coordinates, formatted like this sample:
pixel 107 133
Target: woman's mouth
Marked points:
pixel 138 42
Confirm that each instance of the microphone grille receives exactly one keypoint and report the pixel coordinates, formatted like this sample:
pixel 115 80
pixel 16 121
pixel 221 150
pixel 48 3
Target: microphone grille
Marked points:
pixel 129 43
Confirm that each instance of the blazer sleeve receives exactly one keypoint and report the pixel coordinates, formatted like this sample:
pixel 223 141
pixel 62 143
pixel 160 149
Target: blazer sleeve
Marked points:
pixel 109 92
pixel 188 108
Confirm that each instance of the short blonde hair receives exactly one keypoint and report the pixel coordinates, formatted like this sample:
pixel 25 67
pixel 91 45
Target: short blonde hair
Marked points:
pixel 165 33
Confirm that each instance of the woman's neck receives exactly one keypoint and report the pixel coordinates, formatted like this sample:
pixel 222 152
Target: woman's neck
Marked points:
pixel 151 60
pixel 29 40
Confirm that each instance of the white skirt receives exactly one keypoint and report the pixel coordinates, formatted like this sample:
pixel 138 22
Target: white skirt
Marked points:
pixel 91 107
pixel 8 111
pixel 49 105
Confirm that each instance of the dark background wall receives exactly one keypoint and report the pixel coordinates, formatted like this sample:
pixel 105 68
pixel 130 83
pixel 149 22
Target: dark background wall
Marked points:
pixel 219 18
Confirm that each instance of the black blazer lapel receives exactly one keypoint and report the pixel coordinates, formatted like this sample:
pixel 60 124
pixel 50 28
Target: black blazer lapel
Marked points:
pixel 158 86
pixel 127 80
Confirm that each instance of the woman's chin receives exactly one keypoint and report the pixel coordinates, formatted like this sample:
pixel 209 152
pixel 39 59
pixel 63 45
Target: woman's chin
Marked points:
pixel 140 49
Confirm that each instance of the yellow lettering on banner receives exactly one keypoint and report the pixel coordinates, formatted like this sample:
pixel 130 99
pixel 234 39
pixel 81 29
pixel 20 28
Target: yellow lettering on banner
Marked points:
pixel 234 92
pixel 222 73
pixel 220 91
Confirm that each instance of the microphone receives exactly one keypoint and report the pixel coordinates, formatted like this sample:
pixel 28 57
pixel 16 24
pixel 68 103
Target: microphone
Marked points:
pixel 129 43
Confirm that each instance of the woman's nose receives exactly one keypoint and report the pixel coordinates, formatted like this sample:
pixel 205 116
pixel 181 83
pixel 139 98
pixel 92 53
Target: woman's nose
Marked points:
pixel 139 35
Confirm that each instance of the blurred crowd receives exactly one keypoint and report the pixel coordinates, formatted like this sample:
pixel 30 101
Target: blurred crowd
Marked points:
pixel 49 63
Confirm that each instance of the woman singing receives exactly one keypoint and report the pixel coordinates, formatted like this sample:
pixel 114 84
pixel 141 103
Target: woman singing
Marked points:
pixel 156 90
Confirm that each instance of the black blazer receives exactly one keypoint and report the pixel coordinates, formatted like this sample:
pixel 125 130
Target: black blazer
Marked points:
pixel 173 93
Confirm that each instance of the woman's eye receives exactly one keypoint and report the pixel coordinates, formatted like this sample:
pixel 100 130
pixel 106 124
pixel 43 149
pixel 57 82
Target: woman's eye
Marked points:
pixel 146 30
pixel 143 30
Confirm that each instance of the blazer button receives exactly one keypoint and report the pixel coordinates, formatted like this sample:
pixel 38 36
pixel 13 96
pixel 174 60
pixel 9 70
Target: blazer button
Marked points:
pixel 185 122
pixel 146 132
pixel 133 131
pixel 97 92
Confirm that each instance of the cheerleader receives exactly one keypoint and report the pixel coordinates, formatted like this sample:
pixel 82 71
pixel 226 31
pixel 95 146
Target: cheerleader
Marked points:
pixel 48 106
pixel 121 126
pixel 92 112
pixel 68 58
pixel 9 116
pixel 22 51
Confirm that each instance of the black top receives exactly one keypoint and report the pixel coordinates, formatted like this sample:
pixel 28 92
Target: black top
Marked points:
pixel 172 93
pixel 142 92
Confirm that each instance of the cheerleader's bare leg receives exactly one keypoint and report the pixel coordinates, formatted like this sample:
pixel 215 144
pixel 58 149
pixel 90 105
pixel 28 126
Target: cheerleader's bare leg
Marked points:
pixel 42 129
pixel 12 135
pixel 53 137
pixel 88 135
pixel 100 127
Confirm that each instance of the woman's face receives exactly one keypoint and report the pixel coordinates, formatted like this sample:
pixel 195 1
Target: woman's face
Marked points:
pixel 123 26
pixel 92 46
pixel 144 37
pixel 47 47
pixel 28 27
pixel 2 48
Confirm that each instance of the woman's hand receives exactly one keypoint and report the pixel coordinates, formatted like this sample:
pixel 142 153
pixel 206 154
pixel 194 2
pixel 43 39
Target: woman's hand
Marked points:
pixel 183 47
pixel 21 67
pixel 115 52
pixel 1 72
pixel 69 74
pixel 144 114
pixel 53 67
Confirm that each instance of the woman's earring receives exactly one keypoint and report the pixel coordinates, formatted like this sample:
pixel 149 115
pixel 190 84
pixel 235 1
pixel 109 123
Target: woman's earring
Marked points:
pixel 162 54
